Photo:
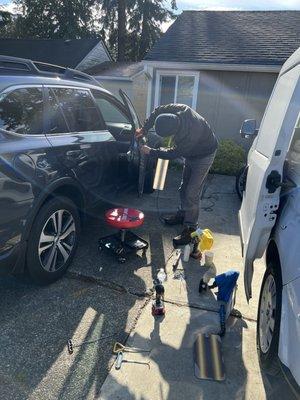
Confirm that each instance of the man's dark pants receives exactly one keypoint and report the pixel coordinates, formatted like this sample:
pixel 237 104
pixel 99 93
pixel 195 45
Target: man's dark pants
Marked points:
pixel 194 174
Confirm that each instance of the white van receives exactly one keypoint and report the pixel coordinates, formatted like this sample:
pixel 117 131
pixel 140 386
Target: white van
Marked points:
pixel 270 223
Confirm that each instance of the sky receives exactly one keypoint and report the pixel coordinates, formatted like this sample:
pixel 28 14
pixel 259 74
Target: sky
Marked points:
pixel 228 4
pixel 238 4
pixel 217 5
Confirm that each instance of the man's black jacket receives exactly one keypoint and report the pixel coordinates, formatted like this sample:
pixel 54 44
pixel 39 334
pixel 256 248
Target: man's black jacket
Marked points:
pixel 194 139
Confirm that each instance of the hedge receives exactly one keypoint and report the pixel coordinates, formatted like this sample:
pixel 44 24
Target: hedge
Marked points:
pixel 229 159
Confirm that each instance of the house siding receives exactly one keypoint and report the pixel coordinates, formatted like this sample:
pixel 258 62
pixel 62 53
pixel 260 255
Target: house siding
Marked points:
pixel 136 89
pixel 139 95
pixel 114 86
pixel 226 99
pixel 96 56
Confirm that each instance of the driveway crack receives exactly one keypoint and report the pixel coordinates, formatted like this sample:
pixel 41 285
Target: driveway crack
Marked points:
pixel 148 294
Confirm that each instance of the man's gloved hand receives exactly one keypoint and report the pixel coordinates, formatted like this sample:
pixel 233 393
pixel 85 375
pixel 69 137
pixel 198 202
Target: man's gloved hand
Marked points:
pixel 145 149
pixel 139 133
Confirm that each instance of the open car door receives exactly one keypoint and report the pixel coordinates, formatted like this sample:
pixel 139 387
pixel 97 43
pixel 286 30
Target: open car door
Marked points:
pixel 135 156
pixel 260 203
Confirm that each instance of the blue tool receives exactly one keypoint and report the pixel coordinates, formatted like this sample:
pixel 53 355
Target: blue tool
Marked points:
pixel 226 283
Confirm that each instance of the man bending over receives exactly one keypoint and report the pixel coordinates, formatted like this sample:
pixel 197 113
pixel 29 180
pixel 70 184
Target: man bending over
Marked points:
pixel 193 140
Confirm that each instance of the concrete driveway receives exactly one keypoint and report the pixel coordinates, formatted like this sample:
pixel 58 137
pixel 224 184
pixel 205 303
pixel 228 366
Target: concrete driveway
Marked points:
pixel 99 297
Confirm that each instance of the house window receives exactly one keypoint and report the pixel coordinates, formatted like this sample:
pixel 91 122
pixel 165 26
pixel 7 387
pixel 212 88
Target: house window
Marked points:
pixel 176 88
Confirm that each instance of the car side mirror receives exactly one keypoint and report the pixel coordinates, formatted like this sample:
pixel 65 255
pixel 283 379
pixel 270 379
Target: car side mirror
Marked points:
pixel 248 129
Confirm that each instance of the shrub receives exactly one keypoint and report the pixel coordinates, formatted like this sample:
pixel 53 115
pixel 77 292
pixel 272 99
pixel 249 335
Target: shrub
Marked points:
pixel 229 159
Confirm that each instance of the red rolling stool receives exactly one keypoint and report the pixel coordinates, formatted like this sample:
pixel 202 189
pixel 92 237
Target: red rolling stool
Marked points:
pixel 123 242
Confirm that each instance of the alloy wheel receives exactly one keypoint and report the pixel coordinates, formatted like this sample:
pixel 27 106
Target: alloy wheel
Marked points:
pixel 57 240
pixel 267 314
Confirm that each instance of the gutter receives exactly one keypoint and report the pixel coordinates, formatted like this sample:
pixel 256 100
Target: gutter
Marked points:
pixel 112 78
pixel 212 66
pixel 121 78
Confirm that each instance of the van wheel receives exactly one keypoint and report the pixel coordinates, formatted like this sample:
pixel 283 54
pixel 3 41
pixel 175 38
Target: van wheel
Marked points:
pixel 53 240
pixel 240 181
pixel 268 320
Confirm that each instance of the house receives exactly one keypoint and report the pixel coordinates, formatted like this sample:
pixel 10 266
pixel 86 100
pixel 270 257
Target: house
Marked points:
pixel 222 63
pixel 73 53
pixel 131 77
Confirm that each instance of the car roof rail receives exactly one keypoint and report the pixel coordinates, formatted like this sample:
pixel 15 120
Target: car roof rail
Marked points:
pixel 22 65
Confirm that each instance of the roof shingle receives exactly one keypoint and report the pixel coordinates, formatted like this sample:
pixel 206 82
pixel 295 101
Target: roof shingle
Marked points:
pixel 230 37
pixel 67 53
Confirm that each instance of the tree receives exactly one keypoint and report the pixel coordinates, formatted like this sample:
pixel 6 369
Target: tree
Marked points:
pixel 121 29
pixel 146 19
pixel 129 27
pixel 68 19
pixel 6 22
pixel 131 35
pixel 113 26
pixel 5 18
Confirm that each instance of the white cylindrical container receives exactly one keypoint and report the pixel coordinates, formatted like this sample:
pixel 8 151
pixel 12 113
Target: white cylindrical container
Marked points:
pixel 186 253
pixel 160 174
pixel 209 258
pixel 209 263
pixel 161 276
pixel 210 273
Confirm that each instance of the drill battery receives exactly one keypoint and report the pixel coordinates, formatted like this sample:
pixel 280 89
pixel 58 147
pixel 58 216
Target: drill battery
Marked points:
pixel 158 306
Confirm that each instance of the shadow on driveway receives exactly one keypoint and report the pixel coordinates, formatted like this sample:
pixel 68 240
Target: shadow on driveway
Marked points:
pixel 36 322
pixel 35 326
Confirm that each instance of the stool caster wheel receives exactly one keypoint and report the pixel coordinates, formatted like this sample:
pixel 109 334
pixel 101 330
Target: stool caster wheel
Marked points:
pixel 121 260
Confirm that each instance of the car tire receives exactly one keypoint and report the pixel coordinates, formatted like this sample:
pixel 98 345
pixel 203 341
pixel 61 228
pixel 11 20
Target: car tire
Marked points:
pixel 268 319
pixel 53 240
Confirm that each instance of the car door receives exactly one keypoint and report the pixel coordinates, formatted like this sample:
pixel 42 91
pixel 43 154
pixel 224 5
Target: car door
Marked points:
pixel 80 139
pixel 116 117
pixel 23 146
pixel 139 160
pixel 258 212
pixel 131 110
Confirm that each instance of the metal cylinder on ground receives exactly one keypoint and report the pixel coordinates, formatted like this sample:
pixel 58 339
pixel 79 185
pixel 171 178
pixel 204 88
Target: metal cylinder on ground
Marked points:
pixel 160 174
pixel 186 253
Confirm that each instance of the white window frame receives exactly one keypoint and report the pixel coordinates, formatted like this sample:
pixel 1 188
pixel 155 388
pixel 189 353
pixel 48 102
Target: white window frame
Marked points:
pixel 177 74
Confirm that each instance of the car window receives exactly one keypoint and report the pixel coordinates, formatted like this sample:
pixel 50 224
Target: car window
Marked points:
pixel 56 120
pixel 110 113
pixel 79 109
pixel 21 111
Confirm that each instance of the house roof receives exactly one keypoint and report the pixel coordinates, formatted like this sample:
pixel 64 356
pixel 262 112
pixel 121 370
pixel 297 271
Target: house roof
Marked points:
pixel 291 62
pixel 116 69
pixel 67 53
pixel 230 37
